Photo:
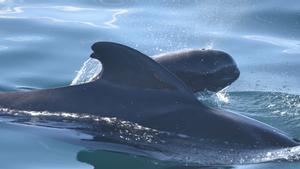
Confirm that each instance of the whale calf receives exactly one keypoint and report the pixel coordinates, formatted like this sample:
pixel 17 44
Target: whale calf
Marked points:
pixel 133 87
pixel 201 69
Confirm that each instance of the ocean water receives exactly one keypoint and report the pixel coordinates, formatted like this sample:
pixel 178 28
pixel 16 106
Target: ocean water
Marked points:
pixel 44 44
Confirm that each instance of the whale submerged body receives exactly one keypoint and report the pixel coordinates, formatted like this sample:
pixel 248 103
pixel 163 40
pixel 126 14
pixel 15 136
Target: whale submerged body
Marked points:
pixel 134 87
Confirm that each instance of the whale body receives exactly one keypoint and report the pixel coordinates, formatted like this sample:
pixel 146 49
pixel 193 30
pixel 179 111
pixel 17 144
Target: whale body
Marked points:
pixel 134 87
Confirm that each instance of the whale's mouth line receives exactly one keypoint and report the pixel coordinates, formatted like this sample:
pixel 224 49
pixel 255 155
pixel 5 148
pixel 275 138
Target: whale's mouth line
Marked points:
pixel 226 73
pixel 221 69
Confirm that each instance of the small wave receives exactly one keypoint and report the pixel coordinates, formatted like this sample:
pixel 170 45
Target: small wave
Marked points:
pixel 24 38
pixel 288 154
pixel 291 46
pixel 281 104
pixel 3 47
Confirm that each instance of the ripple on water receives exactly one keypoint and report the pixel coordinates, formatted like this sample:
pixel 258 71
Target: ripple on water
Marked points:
pixel 3 47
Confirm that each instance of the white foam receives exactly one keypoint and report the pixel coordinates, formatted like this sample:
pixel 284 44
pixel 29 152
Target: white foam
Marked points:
pixel 222 96
pixel 89 70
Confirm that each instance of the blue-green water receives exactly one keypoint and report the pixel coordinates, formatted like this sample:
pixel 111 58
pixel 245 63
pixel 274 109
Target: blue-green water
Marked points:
pixel 43 44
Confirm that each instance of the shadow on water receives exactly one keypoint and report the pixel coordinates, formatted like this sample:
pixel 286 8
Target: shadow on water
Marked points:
pixel 112 160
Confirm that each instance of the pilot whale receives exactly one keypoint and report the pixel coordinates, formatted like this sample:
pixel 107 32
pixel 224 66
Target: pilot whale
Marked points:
pixel 133 87
pixel 201 69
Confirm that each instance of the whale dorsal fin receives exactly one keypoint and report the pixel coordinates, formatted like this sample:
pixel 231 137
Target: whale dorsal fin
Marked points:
pixel 125 66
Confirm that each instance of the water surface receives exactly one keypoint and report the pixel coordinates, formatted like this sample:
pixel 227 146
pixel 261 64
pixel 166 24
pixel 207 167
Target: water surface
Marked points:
pixel 44 43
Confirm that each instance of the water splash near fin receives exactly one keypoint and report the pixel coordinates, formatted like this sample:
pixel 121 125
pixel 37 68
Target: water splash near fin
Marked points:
pixel 214 99
pixel 88 71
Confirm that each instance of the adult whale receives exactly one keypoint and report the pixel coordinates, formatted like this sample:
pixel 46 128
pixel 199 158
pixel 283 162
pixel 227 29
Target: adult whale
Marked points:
pixel 201 69
pixel 133 87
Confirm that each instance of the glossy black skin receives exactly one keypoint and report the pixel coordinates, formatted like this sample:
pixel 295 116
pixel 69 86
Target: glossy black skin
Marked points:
pixel 135 88
pixel 201 69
